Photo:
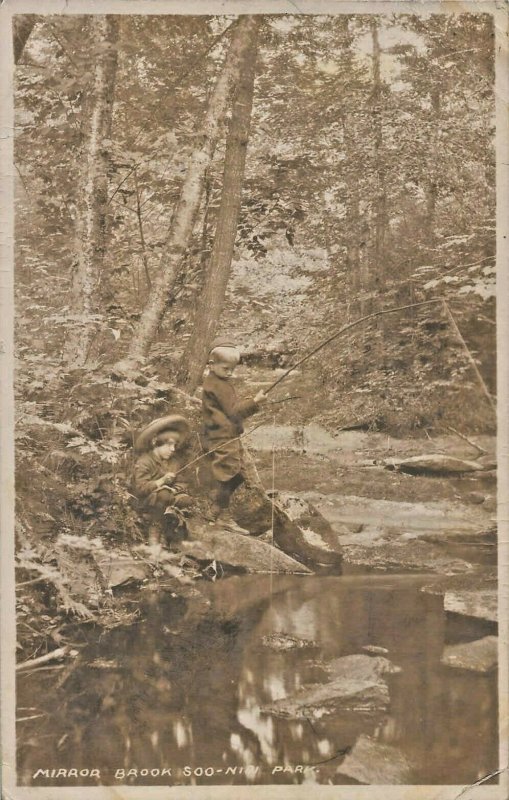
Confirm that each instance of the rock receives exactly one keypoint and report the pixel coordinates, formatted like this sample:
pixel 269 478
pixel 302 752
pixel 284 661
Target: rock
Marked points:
pixel 478 656
pixel 120 570
pixel 253 509
pixel 409 555
pixel 356 527
pixel 475 497
pixel 281 642
pixel 208 543
pixel 356 685
pixel 363 668
pixel 488 462
pixel 308 518
pixel 373 763
pixel 345 511
pixel 76 560
pixel 490 503
pixel 484 537
pixel 477 603
pixel 434 464
pixel 375 650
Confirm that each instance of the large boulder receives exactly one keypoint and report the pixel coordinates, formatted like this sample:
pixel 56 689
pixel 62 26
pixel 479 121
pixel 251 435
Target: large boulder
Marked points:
pixel 415 519
pixel 409 556
pixel 476 603
pixel 255 510
pixel 209 543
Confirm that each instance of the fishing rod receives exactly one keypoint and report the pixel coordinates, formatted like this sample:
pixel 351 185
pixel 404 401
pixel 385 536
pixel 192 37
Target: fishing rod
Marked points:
pixel 308 355
pixel 235 438
pixel 222 444
pixel 345 328
pixel 285 399
pixel 304 358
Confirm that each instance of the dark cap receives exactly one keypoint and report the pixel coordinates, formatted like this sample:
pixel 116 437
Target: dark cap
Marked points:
pixel 223 341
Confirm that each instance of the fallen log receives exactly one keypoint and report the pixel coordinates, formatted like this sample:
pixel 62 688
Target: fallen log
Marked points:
pixel 54 655
pixel 434 464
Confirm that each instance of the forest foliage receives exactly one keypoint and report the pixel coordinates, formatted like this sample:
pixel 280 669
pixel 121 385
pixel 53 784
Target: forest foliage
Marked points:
pixel 369 182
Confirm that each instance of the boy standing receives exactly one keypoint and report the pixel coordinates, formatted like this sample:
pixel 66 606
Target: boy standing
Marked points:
pixel 160 447
pixel 223 415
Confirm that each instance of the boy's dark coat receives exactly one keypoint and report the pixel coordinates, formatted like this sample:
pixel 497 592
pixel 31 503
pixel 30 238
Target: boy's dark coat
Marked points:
pixel 223 412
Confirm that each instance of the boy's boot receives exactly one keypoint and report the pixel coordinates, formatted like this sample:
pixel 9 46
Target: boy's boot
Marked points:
pixel 220 507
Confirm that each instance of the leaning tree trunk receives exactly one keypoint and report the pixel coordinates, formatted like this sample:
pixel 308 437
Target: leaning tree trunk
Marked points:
pixel 189 203
pixel 211 300
pixel 92 205
pixel 22 26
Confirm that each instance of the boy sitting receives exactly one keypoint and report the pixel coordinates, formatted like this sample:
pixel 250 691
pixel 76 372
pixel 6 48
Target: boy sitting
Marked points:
pixel 160 447
pixel 223 414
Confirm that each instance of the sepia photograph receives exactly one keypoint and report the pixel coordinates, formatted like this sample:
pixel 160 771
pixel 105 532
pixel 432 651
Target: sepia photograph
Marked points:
pixel 250 287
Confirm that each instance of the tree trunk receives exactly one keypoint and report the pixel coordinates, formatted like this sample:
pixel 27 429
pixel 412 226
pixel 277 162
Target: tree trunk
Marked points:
pixel 353 223
pixel 380 189
pixel 216 279
pixel 22 26
pixel 432 185
pixel 92 206
pixel 377 266
pixel 185 214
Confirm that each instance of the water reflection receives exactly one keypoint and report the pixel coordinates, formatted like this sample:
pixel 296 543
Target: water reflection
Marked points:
pixel 147 698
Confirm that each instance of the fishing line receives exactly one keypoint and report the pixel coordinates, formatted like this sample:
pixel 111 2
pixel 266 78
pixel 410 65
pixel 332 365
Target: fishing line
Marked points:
pixel 272 505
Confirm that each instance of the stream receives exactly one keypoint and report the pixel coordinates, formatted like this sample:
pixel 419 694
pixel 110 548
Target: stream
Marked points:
pixel 147 700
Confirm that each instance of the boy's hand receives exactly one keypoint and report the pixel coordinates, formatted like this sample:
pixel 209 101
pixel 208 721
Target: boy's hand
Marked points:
pixel 260 398
pixel 168 478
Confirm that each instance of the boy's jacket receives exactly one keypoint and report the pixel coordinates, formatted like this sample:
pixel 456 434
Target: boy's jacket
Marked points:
pixel 148 469
pixel 223 412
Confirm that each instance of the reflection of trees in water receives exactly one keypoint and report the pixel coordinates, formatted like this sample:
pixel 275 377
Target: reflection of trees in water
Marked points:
pixel 335 621
pixel 166 705
pixel 195 698
pixel 444 720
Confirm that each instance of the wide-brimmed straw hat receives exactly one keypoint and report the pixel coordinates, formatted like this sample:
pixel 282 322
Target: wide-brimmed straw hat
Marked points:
pixel 172 422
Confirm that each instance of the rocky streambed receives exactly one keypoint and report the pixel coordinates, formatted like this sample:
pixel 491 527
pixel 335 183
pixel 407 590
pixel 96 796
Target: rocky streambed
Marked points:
pixel 441 524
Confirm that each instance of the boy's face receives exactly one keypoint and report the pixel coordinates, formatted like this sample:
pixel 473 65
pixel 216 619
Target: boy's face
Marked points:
pixel 224 367
pixel 166 445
